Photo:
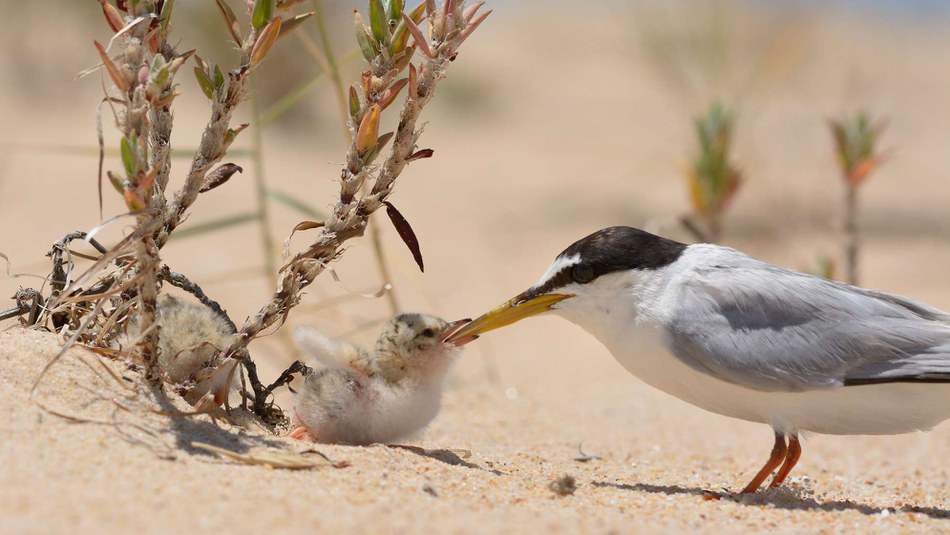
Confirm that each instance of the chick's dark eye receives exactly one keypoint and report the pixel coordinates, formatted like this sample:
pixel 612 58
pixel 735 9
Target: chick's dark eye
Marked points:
pixel 428 333
pixel 582 273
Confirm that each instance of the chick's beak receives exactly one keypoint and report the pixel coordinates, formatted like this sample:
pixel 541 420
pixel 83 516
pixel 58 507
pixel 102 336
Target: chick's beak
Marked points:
pixel 448 334
pixel 516 309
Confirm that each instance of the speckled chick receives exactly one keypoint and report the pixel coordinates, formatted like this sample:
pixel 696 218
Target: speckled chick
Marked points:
pixel 189 337
pixel 387 395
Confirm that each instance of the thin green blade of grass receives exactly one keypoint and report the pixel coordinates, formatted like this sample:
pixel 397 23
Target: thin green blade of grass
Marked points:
pixel 288 101
pixel 295 203
pixel 216 225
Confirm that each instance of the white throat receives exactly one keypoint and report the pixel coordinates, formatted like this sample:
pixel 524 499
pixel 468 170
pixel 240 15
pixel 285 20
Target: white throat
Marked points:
pixel 614 304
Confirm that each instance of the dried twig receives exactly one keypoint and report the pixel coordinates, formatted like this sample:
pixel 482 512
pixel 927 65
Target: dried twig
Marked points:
pixel 180 281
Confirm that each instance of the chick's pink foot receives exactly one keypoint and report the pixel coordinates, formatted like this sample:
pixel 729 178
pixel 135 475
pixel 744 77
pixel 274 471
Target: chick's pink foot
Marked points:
pixel 302 433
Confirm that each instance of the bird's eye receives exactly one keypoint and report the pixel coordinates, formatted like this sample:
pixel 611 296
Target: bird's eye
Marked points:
pixel 428 333
pixel 582 273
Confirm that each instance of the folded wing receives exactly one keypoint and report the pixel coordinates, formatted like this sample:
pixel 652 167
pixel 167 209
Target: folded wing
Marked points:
pixel 771 329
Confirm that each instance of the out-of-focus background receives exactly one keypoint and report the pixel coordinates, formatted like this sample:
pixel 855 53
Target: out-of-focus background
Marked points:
pixel 557 119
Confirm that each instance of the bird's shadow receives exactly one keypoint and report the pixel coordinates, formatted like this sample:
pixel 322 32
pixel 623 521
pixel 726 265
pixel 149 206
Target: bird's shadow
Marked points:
pixel 445 456
pixel 777 501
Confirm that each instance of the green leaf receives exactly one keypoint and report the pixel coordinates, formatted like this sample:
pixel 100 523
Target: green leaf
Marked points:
pixel 158 71
pixel 166 15
pixel 395 10
pixel 365 40
pixel 116 182
pixel 127 148
pixel 354 100
pixel 378 21
pixel 216 225
pixel 218 77
pixel 207 87
pixel 293 202
pixel 263 13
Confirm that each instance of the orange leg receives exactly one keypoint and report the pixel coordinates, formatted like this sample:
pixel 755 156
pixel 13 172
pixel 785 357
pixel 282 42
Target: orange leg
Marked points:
pixel 794 452
pixel 302 433
pixel 777 456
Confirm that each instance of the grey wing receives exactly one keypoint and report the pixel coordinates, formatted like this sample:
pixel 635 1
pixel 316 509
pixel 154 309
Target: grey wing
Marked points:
pixel 771 329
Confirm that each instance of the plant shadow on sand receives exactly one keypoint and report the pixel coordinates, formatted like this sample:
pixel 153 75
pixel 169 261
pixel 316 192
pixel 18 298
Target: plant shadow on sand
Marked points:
pixel 177 432
pixel 447 456
pixel 782 498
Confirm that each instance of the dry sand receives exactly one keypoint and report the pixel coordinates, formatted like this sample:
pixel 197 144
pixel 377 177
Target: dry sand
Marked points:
pixel 128 469
pixel 549 139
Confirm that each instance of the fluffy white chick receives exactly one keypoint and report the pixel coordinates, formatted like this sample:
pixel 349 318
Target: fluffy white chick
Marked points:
pixel 383 396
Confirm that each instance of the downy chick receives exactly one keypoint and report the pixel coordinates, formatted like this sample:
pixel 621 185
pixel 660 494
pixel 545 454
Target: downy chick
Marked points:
pixel 383 396
pixel 188 342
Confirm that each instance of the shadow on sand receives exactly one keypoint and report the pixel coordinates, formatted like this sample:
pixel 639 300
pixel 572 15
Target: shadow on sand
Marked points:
pixel 779 498
pixel 449 457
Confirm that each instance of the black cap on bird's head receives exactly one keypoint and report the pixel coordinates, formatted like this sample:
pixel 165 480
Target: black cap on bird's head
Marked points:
pixel 606 251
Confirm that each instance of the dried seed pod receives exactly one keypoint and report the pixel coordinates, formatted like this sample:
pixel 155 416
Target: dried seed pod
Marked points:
pixel 420 155
pixel 307 225
pixel 219 176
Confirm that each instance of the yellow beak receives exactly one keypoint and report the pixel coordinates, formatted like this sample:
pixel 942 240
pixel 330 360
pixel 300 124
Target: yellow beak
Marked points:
pixel 515 309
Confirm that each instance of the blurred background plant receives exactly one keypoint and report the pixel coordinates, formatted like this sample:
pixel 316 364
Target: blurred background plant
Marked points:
pixel 712 178
pixel 856 147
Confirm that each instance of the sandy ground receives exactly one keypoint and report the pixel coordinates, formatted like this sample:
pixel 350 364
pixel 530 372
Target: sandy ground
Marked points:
pixel 538 142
